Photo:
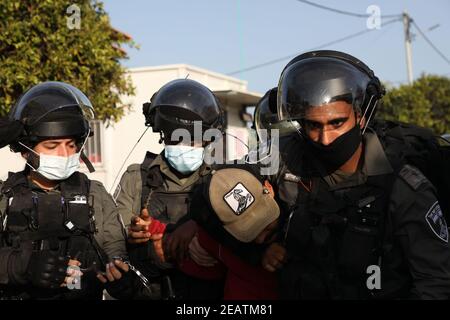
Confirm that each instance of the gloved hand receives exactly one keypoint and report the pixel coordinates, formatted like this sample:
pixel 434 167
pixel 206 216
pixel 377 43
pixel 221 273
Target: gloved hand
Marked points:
pixel 47 269
pixel 118 280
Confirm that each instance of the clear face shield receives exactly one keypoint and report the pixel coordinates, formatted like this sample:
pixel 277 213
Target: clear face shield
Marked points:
pixel 49 97
pixel 321 94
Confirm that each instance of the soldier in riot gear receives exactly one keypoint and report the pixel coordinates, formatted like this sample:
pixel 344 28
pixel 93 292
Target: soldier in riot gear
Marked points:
pixel 360 220
pixel 266 117
pixel 52 215
pixel 161 187
pixel 269 128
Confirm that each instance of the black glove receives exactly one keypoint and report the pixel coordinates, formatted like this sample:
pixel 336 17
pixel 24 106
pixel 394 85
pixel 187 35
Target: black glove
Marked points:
pixel 47 269
pixel 124 288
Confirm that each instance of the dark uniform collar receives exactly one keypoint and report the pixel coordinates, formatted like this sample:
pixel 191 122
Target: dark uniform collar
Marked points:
pixel 375 159
pixel 374 163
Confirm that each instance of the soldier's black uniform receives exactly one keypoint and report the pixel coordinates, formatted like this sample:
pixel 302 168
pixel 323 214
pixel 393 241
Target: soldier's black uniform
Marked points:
pixel 339 225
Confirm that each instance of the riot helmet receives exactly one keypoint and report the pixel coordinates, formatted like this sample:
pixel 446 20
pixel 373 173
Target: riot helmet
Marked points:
pixel 178 104
pixel 266 117
pixel 51 110
pixel 317 78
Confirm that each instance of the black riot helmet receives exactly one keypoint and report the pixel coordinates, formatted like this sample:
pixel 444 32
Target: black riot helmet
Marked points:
pixel 178 104
pixel 316 78
pixel 51 110
pixel 266 117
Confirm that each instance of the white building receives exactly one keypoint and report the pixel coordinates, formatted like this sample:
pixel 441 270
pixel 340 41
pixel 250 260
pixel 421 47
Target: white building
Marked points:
pixel 111 145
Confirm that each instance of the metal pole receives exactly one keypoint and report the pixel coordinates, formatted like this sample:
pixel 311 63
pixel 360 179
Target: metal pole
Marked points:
pixel 406 27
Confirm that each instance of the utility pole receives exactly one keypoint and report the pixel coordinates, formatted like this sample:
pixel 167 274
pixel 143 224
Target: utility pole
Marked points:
pixel 407 28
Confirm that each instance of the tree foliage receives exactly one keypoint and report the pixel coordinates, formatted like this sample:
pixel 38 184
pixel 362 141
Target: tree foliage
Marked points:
pixel 425 103
pixel 40 41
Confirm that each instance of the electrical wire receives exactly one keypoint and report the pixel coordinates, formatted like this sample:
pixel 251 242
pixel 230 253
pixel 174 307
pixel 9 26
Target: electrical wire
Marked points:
pixel 353 35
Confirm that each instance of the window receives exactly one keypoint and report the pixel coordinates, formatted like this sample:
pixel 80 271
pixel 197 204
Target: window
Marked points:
pixel 93 147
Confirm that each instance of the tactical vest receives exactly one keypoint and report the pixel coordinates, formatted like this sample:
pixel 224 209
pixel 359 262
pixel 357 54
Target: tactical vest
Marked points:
pixel 333 236
pixel 166 206
pixel 62 222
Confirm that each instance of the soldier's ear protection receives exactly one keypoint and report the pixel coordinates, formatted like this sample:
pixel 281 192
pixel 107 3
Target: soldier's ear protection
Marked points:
pixel 146 112
pixel 149 112
pixel 374 88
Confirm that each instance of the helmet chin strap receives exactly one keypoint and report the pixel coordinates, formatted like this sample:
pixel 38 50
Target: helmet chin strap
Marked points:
pixel 83 156
pixel 87 162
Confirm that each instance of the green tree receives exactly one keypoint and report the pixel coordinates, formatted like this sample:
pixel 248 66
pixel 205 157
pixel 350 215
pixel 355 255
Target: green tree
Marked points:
pixel 425 103
pixel 41 40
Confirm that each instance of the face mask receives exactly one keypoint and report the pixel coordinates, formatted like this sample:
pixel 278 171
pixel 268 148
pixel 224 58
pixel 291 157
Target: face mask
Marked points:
pixel 56 167
pixel 184 159
pixel 334 155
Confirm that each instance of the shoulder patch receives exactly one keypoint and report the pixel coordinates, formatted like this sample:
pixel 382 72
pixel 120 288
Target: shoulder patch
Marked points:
pixel 413 176
pixel 436 221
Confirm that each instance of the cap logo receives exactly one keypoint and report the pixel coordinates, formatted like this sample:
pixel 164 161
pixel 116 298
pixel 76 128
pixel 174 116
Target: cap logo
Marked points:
pixel 239 199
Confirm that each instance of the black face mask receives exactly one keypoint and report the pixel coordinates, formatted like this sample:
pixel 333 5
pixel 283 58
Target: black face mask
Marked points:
pixel 334 155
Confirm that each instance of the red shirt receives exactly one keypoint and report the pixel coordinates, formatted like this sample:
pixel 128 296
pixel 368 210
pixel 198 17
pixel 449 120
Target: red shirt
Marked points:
pixel 243 281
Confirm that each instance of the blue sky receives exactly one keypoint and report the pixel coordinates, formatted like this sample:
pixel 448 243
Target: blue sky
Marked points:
pixel 229 35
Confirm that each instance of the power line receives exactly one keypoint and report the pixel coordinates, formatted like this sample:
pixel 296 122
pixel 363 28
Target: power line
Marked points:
pixel 430 43
pixel 353 35
pixel 347 13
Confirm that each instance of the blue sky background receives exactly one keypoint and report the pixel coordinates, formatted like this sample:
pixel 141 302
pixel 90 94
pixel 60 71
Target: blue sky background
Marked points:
pixel 229 35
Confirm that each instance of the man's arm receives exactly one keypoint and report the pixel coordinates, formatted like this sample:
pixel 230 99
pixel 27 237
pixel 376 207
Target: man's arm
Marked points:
pixel 112 233
pixel 5 251
pixel 128 194
pixel 420 227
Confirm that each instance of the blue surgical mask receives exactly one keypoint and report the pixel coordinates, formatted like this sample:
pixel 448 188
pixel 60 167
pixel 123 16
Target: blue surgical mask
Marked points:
pixel 184 159
pixel 56 167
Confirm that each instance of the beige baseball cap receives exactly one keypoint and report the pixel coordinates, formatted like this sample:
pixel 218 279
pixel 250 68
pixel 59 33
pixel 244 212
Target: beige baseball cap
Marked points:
pixel 242 202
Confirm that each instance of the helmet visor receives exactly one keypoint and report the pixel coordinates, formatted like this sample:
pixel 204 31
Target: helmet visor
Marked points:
pixel 317 82
pixel 47 97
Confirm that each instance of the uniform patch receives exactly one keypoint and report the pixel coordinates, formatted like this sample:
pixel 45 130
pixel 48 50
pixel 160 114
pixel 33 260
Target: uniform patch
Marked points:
pixel 412 176
pixel 79 200
pixel 239 199
pixel 117 192
pixel 436 221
